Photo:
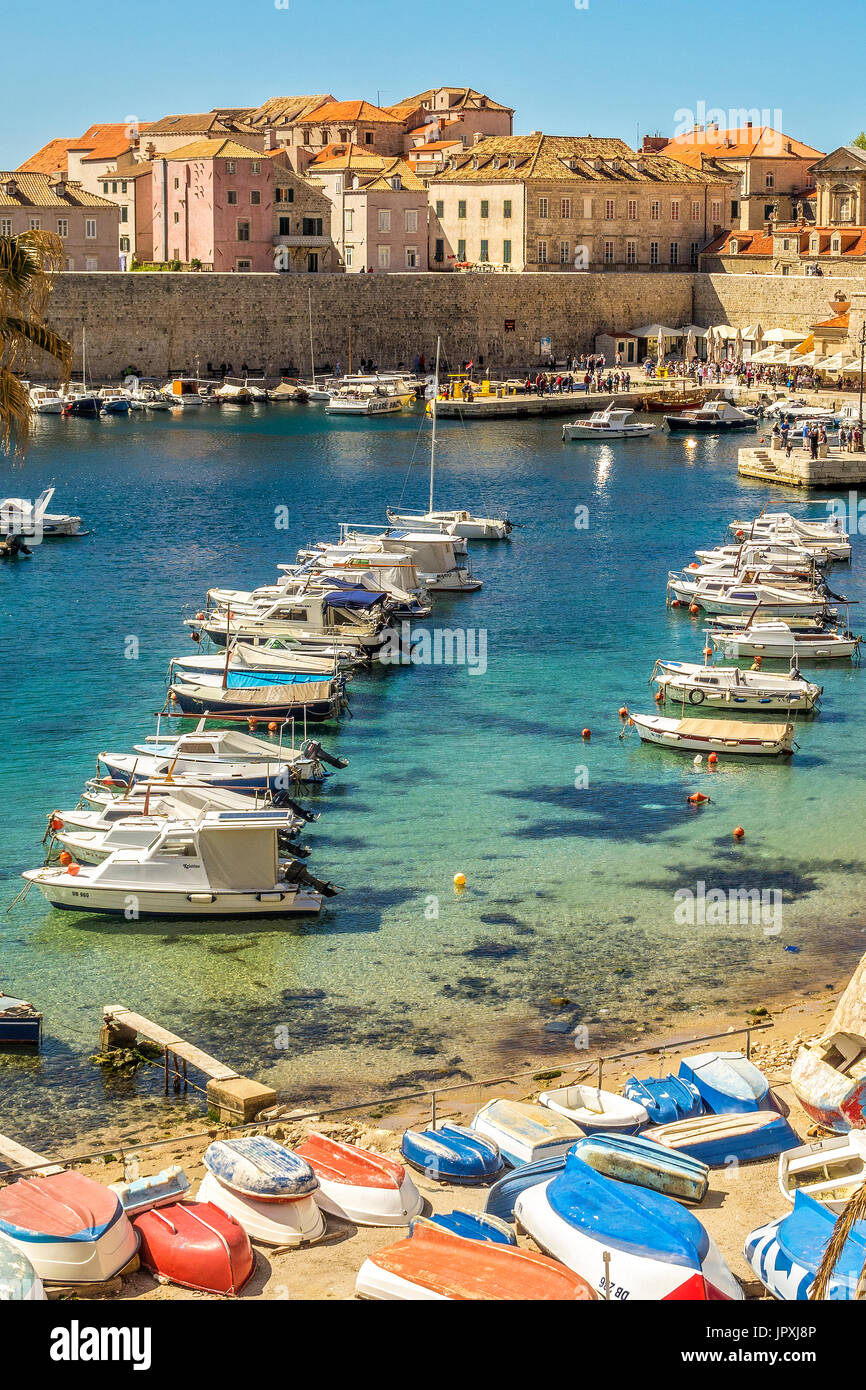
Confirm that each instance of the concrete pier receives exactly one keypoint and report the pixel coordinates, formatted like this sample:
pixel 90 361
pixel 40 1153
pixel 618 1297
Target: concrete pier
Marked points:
pixel 834 468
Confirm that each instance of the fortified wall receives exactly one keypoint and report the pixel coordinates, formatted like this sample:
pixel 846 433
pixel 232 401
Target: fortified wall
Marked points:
pixel 165 322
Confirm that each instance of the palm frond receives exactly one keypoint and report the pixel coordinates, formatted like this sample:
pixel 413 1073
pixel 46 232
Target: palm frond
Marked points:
pixel 37 335
pixel 854 1211
pixel 14 412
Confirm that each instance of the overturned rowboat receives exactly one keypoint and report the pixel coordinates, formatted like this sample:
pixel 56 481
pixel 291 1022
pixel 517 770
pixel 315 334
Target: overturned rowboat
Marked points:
pixel 503 1194
pixel 786 1253
pixel 718 1140
pixel 830 1170
pixel 265 1187
pixel 726 1081
pixel 19 1281
pixel 159 1190
pixel 665 1098
pixel 358 1185
pixel 471 1225
pixel 196 1245
pixel 71 1229
pixel 632 1158
pixel 525 1132
pixel 592 1109
pixel 452 1153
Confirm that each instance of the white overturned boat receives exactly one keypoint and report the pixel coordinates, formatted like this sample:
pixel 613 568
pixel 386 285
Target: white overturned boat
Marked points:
pixel 525 1132
pixel 830 1170
pixel 218 866
pixel 729 736
pixel 780 641
pixel 608 424
pixel 71 1229
pixel 593 1110
pixel 715 687
pixel 268 1189
pixel 21 517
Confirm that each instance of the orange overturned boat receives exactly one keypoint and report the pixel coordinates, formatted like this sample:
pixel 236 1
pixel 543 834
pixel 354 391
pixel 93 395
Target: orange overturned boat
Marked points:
pixel 435 1264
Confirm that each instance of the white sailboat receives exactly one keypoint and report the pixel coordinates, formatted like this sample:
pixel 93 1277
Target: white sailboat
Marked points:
pixel 456 523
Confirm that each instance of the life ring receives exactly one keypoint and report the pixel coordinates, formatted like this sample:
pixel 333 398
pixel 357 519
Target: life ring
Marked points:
pixel 701 696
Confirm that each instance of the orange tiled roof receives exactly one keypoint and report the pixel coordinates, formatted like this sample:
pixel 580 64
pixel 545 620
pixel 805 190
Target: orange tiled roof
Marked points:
pixel 49 159
pixel 838 321
pixel 104 141
pixel 37 191
pixel 748 244
pixel 743 143
pixel 332 112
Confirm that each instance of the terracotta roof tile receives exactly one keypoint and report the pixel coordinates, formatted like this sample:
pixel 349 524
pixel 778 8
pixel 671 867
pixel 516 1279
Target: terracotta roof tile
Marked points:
pixel 332 112
pixel 35 190
pixel 739 143
pixel 51 158
pixel 212 149
pixel 569 159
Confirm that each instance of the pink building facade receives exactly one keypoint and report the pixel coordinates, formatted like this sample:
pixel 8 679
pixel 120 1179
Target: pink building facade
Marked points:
pixel 213 203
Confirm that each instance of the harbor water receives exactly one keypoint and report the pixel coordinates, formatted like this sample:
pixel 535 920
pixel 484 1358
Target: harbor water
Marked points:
pixel 572 849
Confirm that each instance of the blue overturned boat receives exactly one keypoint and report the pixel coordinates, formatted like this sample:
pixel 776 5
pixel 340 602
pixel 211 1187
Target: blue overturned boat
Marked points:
pixel 786 1254
pixel 727 1081
pixel 471 1225
pixel 634 1159
pixel 665 1098
pixel 452 1153
pixel 504 1193
pixel 720 1139
pixel 256 1166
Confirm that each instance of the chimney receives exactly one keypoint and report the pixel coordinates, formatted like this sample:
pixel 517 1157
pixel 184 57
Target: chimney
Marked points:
pixel 57 181
pixel 269 138
pixel 478 136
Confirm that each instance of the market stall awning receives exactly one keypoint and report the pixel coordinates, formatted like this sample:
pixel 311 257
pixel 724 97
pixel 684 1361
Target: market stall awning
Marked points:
pixel 782 335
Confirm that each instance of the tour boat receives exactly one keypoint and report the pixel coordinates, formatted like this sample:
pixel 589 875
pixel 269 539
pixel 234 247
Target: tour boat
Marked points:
pixel 717 1139
pixel 830 1170
pixel 780 641
pixel 665 1098
pixel 196 1245
pixel 72 1229
pixel 159 1190
pixel 358 1185
pixel 728 1082
pixel 829 1079
pixel 19 1282
pixel 592 1109
pixel 525 1132
pixel 44 401
pixel 626 1241
pixel 471 1225
pixel 19 1021
pixel 608 424
pixel 786 1253
pixel 635 1159
pixel 713 687
pixel 271 695
pixel 265 1187
pixel 436 1264
pixel 367 396
pixel 452 1154
pixel 218 866
pixel 715 736
pixel 20 517
pixel 713 417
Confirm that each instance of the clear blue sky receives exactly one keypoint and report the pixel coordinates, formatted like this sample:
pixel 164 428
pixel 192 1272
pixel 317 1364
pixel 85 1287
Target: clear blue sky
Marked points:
pixel 606 69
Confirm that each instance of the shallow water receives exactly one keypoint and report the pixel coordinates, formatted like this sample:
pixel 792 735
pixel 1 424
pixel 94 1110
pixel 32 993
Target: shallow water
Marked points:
pixel 572 850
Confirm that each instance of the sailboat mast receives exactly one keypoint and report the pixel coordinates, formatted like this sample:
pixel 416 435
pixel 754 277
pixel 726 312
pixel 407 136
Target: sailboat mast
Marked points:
pixel 433 414
pixel 84 357
pixel 312 354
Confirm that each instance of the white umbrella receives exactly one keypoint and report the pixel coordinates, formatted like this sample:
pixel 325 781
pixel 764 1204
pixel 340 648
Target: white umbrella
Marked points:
pixel 783 335
pixel 758 336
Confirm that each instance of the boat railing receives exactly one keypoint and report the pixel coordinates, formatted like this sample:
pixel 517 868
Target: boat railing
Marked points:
pixel 171 1066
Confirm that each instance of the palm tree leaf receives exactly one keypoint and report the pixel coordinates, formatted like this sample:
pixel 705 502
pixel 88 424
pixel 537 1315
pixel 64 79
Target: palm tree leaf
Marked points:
pixel 14 412
pixel 37 335
pixel 854 1211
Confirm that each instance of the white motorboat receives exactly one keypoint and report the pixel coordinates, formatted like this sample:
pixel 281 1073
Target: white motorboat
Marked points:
pixel 367 396
pixel 218 866
pixel 795 408
pixel 744 595
pixel 44 401
pixel 182 393
pixel 779 641
pixel 730 736
pixel 224 756
pixel 394 573
pixel 608 424
pixel 114 401
pixel 21 517
pixel 712 687
pixel 764 553
pixel 436 556
pixel 686 585
pixel 243 657
pixel 830 1170
pixel 782 527
pixel 95 841
pixel 356 618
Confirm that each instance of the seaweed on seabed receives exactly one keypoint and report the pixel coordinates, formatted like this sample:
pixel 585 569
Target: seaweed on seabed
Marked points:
pixel 127 1059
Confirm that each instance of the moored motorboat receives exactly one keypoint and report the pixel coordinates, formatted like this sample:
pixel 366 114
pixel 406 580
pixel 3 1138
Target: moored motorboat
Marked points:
pixel 715 736
pixel 723 687
pixel 196 1245
pixel 264 1186
pixel 727 1082
pixel 786 1253
pixel 72 1229
pixel 525 1132
pixel 632 1158
pixel 359 1185
pixel 713 417
pixel 718 1139
pixel 608 424
pixel 21 517
pixel 19 1281
pixel 592 1109
pixel 626 1241
pixel 665 1098
pixel 45 401
pixel 776 640
pixel 830 1170
pixel 455 523
pixel 452 1153
pixel 436 1264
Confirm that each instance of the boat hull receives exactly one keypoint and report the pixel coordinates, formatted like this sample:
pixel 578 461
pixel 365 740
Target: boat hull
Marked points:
pixel 830 1170
pixel 718 1139
pixel 785 1254
pixel 196 1245
pixel 659 731
pixel 360 1186
pixel 291 1223
pixel 19 1282
pixel 633 1159
pixel 834 1100
pixel 595 1111
pixel 70 1228
pixel 452 1154
pixel 727 1082
pixel 65 891
pixel 665 1098
pixel 524 1132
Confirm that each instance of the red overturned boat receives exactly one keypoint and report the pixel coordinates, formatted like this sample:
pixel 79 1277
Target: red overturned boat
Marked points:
pixel 196 1245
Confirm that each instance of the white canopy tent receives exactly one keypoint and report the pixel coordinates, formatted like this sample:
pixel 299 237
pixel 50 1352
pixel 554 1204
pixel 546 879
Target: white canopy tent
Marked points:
pixel 783 335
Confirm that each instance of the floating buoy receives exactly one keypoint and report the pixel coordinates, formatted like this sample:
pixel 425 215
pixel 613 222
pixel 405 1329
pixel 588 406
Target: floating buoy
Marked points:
pixel 757 662
pixel 199 617
pixel 694 608
pixel 272 727
pixel 65 857
pixel 712 759
pixel 708 651
pixel 697 798
pixel 56 823
pixel 253 722
pixel 73 869
pixel 739 833
pixel 459 880
pixel 195 637
pixel 660 695
pixel 586 734
pixel 675 603
pixel 623 711
pixel 694 565
pixel 698 759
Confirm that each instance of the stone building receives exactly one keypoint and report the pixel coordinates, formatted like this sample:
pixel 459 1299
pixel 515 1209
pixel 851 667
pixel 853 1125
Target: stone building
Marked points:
pixel 539 202
pixel 173 132
pixel 448 120
pixel 303 216
pixel 212 201
pixel 771 172
pixel 342 123
pixel 380 220
pixel 86 223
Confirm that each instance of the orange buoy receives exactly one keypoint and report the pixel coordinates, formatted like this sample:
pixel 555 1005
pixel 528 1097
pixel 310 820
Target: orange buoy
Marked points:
pixel 660 695
pixel 586 734
pixel 73 869
pixel 694 608
pixel 65 857
pixel 739 833
pixel 708 651
pixel 195 636
pixel 675 603
pixel 56 823
pixel 631 723
pixel 697 799
pixel 712 759
pixel 623 711
pixel 253 722
pixel 739 535
pixel 199 617
pixel 272 727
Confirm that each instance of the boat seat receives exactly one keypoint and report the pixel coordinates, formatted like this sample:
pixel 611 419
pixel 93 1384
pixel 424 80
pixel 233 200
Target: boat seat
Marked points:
pixel 842 1050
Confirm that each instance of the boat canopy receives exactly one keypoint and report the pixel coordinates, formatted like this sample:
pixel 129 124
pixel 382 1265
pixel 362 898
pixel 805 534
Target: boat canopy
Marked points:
pixel 352 598
pixel 239 861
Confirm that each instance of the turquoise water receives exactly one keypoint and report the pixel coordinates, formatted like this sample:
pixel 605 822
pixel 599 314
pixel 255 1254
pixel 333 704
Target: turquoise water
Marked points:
pixel 570 887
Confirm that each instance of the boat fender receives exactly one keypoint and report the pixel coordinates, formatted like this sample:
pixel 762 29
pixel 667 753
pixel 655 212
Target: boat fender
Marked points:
pixel 660 696
pixel 697 697
pixel 623 711
pixel 712 759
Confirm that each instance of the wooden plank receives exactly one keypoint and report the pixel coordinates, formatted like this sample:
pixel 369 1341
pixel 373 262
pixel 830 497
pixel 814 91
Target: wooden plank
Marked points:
pixel 211 1066
pixel 17 1156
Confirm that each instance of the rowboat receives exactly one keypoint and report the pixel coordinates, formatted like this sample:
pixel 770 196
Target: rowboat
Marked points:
pixel 786 1253
pixel 503 1194
pixel 717 1139
pixel 72 1229
pixel 627 1242
pixel 268 695
pixel 264 1186
pixel 715 736
pixel 19 1281
pixel 436 1264
pixel 608 424
pixel 196 1245
pixel 19 1021
pixel 780 641
pixel 714 687
pixel 592 1109
pixel 829 1079
pixel 525 1132
pixel 158 1190
pixel 665 1098
pixel 830 1170
pixel 358 1185
pixel 727 1081
pixel 471 1225
pixel 632 1158
pixel 452 1154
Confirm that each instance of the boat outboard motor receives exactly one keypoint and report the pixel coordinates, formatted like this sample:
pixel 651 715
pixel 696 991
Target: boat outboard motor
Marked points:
pixel 298 874
pixel 282 799
pixel 314 750
pixel 290 846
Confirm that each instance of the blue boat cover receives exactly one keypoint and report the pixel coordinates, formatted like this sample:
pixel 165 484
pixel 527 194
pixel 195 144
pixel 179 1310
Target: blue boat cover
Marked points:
pixel 804 1235
pixel 244 680
pixel 352 598
pixel 452 1154
pixel 632 1219
pixel 504 1193
pixel 257 1166
pixel 727 1081
pixel 474 1225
